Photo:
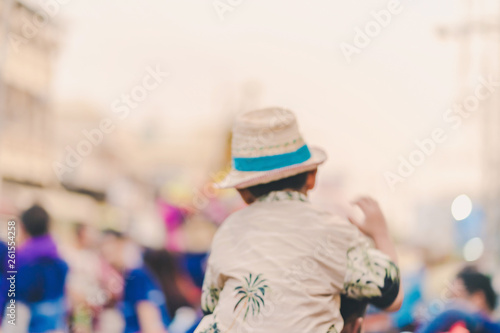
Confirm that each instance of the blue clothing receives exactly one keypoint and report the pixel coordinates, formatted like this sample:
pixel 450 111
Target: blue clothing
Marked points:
pixel 140 285
pixel 194 263
pixel 413 298
pixel 4 283
pixel 193 328
pixel 40 286
pixel 475 322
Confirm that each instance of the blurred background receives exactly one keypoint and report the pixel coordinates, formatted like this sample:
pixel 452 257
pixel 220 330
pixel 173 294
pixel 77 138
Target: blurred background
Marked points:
pixel 117 115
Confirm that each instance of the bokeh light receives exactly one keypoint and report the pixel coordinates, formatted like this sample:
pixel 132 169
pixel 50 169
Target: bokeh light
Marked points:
pixel 461 207
pixel 473 249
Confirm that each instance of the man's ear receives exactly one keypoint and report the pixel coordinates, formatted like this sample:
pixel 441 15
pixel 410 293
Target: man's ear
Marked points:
pixel 246 195
pixel 311 179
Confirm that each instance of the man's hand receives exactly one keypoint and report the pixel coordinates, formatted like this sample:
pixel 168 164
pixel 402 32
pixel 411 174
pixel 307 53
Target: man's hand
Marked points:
pixel 374 225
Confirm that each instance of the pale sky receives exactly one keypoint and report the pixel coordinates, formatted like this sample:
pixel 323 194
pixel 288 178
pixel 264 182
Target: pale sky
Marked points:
pixel 364 114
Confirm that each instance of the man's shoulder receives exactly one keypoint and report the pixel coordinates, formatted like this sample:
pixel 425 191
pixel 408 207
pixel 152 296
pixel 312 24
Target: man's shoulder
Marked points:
pixel 328 218
pixel 306 212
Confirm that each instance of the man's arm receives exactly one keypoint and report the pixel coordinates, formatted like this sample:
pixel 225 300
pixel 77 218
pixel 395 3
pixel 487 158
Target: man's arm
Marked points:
pixel 375 227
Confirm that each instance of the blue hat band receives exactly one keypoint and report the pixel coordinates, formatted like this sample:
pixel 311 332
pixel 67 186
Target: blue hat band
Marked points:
pixel 267 163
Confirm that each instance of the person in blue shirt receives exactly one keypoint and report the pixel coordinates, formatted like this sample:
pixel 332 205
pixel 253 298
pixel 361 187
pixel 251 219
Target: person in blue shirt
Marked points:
pixel 472 322
pixel 41 276
pixel 143 303
pixel 473 307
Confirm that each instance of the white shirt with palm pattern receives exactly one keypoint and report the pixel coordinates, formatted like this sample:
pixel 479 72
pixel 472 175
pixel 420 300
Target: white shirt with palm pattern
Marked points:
pixel 281 264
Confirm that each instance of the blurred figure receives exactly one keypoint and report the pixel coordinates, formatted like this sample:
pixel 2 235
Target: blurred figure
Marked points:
pixel 143 303
pixel 353 312
pixel 174 218
pixel 173 283
pixel 86 290
pixel 82 281
pixel 472 309
pixel 40 279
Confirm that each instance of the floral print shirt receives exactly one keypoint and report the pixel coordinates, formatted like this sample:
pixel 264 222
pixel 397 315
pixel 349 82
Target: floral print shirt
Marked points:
pixel 281 264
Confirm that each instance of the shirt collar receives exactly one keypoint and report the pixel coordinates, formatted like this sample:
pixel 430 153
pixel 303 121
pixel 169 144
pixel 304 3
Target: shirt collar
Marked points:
pixel 283 196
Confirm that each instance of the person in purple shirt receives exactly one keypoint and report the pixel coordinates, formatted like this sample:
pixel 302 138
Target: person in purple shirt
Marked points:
pixel 41 275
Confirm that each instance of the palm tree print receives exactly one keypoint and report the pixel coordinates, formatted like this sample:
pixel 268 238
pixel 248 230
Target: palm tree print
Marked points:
pixel 367 272
pixel 212 328
pixel 210 295
pixel 251 296
pixel 332 329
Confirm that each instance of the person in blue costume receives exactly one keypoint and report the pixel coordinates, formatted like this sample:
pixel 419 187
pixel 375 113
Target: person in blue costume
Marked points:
pixel 41 276
pixel 143 303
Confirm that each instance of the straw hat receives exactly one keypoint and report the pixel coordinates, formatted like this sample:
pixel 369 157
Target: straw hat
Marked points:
pixel 267 146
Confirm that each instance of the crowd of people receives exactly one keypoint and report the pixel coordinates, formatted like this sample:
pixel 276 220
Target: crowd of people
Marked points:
pixel 278 265
pixel 111 284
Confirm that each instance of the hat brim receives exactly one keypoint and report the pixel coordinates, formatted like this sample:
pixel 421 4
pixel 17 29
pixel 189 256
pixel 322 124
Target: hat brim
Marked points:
pixel 244 179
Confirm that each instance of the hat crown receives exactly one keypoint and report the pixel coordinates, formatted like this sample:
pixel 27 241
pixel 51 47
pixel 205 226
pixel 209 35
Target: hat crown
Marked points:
pixel 267 146
pixel 266 132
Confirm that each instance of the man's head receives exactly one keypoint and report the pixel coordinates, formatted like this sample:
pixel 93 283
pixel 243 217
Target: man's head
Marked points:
pixel 112 247
pixel 476 288
pixel 119 250
pixel 35 221
pixel 352 312
pixel 85 235
pixel 302 182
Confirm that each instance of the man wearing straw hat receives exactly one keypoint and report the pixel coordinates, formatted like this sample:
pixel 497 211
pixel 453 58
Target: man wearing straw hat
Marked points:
pixel 281 264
